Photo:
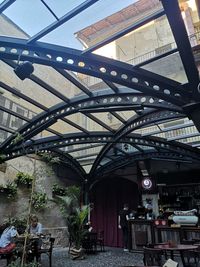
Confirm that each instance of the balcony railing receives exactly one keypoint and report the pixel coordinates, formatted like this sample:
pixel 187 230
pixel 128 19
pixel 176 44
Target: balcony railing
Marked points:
pixel 194 40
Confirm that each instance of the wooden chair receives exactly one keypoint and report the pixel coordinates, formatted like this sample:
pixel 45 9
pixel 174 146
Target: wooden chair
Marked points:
pixel 190 258
pixel 100 240
pixel 153 257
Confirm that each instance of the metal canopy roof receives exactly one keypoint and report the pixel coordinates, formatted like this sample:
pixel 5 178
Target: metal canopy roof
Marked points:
pixel 112 125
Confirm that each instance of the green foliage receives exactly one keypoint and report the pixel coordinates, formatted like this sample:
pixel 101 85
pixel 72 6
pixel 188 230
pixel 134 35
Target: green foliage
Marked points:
pixel 58 190
pixel 18 138
pixel 76 216
pixel 24 178
pixel 49 157
pixel 2 158
pixel 10 190
pixel 19 223
pixel 17 263
pixel 75 223
pixel 39 200
pixel 74 192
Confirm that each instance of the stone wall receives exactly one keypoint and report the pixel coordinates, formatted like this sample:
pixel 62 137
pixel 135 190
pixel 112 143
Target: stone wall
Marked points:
pixel 50 217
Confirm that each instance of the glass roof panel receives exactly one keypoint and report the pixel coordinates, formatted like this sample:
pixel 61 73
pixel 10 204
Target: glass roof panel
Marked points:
pixel 57 81
pixel 63 127
pixel 170 66
pixel 86 122
pixel 126 115
pixel 27 87
pixel 87 151
pixel 3 136
pixel 31 17
pixel 108 118
pixel 26 16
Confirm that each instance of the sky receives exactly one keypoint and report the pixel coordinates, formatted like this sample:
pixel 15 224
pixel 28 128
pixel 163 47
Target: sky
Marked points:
pixel 32 16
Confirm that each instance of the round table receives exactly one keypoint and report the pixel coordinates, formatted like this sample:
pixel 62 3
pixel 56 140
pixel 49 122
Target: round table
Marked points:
pixel 176 247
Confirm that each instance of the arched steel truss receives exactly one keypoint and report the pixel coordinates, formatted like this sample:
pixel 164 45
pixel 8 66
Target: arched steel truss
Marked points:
pixel 104 99
pixel 122 161
pixel 160 99
pixel 97 66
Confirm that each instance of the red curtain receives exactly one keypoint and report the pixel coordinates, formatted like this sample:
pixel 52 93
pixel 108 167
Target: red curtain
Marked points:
pixel 108 197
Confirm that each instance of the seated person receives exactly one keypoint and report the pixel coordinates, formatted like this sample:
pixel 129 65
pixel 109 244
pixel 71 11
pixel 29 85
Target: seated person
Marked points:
pixel 35 227
pixel 6 237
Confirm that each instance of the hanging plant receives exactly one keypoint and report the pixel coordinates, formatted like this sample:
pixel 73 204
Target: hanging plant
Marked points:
pixel 49 157
pixel 24 179
pixel 19 223
pixel 2 158
pixel 18 138
pixel 10 190
pixel 58 190
pixel 39 200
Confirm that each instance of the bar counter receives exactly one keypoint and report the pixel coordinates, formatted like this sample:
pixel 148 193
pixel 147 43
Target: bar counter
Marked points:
pixel 142 232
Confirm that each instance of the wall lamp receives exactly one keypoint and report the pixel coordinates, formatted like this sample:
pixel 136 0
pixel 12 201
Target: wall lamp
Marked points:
pixel 24 70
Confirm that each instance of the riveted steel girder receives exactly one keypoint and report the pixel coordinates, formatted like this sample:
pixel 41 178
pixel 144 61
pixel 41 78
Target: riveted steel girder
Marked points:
pixel 105 98
pixel 71 162
pixel 125 161
pixel 55 142
pixel 136 122
pixel 97 66
pixel 181 37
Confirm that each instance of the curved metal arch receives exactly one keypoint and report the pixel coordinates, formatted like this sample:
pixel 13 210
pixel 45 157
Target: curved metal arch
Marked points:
pixel 105 98
pixel 97 66
pixel 133 124
pixel 125 161
pixel 102 137
pixel 71 162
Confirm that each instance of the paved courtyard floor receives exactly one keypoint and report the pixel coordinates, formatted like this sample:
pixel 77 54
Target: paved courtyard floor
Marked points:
pixel 112 257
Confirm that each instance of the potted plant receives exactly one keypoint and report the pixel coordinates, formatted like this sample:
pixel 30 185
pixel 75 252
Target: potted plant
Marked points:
pixel 24 179
pixel 9 190
pixel 58 190
pixel 76 218
pixel 39 200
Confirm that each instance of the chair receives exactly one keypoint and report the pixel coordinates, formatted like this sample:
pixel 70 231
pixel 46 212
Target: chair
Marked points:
pixel 153 257
pixel 90 242
pixel 100 240
pixel 47 248
pixel 190 258
pixel 7 252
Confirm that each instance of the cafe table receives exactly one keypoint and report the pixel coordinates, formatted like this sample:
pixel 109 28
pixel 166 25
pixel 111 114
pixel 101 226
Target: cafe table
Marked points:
pixel 176 248
pixel 30 244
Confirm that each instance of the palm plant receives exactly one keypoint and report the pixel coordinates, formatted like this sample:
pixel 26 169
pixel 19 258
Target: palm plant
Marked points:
pixel 76 215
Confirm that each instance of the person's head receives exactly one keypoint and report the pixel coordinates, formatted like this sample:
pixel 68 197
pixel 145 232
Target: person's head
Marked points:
pixel 33 220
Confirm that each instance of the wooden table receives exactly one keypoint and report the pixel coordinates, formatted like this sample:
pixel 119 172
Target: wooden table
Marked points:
pixel 31 242
pixel 172 248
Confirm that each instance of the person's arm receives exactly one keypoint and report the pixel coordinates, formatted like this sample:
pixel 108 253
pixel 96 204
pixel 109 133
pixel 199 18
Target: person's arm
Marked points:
pixel 39 230
pixel 119 223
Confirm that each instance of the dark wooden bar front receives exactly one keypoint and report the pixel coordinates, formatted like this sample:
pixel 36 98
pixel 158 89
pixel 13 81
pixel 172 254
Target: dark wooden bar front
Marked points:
pixel 142 232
